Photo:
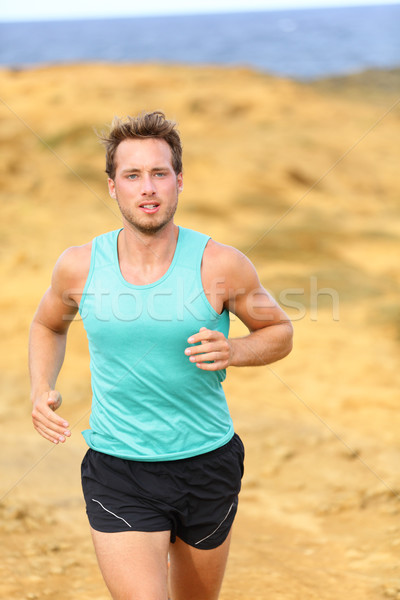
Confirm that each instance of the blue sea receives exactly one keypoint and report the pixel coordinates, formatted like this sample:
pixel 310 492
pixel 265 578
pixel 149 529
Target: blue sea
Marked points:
pixel 301 44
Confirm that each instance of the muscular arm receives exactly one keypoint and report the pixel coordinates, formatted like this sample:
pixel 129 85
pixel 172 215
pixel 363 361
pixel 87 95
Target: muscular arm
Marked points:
pixel 270 330
pixel 47 343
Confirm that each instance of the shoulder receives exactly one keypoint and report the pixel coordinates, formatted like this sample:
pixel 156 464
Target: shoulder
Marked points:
pixel 222 251
pixel 228 261
pixel 72 267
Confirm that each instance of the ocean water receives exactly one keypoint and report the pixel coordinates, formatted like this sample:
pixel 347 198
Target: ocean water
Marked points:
pixel 302 44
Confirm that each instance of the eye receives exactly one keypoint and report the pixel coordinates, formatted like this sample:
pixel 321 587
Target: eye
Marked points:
pixel 160 174
pixel 132 176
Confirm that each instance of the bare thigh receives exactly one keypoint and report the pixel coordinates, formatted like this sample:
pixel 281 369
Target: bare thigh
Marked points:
pixel 197 574
pixel 134 564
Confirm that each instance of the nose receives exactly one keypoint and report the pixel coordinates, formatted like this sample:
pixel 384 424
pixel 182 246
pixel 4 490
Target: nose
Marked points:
pixel 148 187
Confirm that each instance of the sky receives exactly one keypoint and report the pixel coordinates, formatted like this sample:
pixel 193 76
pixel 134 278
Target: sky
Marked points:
pixel 28 10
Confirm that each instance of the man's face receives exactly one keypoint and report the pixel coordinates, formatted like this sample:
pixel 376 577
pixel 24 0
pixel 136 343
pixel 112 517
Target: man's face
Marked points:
pixel 145 184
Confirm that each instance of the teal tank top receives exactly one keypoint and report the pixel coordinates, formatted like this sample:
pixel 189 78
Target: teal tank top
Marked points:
pixel 149 402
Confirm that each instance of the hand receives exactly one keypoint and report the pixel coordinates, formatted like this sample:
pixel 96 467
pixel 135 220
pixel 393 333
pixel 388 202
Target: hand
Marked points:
pixel 45 421
pixel 214 353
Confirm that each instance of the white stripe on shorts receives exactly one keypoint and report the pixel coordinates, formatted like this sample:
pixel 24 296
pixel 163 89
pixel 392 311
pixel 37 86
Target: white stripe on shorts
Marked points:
pixel 111 513
pixel 215 530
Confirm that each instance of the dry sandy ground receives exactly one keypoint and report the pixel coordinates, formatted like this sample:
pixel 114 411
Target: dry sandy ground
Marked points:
pixel 302 178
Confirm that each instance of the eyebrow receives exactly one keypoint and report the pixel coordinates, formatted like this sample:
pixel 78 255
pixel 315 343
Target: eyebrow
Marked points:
pixel 153 170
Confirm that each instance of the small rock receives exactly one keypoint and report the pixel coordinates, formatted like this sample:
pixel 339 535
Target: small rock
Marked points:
pixel 391 592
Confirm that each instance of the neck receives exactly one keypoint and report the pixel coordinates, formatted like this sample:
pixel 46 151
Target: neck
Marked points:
pixel 143 256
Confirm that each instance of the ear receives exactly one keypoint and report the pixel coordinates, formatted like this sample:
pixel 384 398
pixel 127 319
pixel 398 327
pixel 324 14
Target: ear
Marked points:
pixel 111 188
pixel 179 180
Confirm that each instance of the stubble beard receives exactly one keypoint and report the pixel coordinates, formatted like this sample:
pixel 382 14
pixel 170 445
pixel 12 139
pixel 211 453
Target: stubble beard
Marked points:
pixel 150 224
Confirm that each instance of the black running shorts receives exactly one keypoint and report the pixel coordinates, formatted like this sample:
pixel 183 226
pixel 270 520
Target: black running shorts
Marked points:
pixel 194 498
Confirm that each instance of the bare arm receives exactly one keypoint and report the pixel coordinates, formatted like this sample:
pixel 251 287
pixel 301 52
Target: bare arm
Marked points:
pixel 47 344
pixel 270 330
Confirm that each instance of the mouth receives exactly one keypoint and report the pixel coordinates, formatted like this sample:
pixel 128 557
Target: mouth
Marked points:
pixel 149 207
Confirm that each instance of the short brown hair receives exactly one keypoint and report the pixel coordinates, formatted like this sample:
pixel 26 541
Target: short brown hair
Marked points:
pixel 146 125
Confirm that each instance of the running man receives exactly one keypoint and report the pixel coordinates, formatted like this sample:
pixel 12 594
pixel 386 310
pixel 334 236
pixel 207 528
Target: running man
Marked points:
pixel 163 470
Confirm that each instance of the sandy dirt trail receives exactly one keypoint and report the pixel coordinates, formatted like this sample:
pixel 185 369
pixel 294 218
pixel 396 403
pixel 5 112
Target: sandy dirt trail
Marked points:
pixel 303 179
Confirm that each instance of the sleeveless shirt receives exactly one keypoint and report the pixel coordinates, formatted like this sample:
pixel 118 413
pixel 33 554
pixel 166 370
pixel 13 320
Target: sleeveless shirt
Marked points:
pixel 149 402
